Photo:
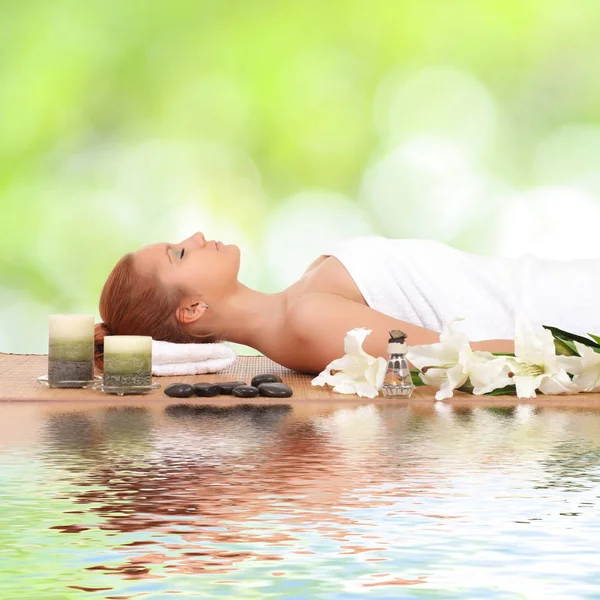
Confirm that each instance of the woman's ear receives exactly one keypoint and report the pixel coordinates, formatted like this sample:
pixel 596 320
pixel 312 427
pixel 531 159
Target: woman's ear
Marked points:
pixel 190 312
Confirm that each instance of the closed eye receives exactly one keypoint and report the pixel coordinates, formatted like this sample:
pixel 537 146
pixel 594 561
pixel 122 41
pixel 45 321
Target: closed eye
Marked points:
pixel 182 253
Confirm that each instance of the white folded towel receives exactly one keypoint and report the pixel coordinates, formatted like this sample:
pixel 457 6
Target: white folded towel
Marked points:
pixel 190 359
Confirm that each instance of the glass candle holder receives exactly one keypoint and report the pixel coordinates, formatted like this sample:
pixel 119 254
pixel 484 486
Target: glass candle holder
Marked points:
pixel 70 350
pixel 127 360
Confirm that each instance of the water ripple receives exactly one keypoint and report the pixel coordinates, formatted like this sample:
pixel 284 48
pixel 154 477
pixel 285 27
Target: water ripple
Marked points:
pixel 285 501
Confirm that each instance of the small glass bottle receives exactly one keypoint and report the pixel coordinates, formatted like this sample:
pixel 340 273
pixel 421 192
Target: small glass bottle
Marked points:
pixel 397 381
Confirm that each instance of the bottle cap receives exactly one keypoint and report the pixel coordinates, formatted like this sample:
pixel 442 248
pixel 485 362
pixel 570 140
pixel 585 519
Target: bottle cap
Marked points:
pixel 397 336
pixel 396 344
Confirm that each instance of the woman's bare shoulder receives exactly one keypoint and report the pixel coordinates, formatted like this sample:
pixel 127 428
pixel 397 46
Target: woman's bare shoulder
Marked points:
pixel 316 324
pixel 315 263
pixel 303 318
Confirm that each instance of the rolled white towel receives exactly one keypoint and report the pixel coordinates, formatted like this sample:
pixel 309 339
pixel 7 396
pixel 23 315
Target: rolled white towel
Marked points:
pixel 190 359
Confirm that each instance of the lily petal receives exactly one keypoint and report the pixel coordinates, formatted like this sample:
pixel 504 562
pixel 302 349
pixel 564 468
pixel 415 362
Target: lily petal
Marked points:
pixel 431 354
pixel 560 383
pixel 528 345
pixel 451 338
pixel 455 378
pixel 571 364
pixel 375 372
pixel 346 387
pixel 589 380
pixel 549 359
pixel 365 389
pixel 434 377
pixel 526 385
pixel 489 377
pixel 354 340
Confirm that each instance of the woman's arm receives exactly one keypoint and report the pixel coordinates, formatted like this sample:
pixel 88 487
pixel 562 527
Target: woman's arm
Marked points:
pixel 316 325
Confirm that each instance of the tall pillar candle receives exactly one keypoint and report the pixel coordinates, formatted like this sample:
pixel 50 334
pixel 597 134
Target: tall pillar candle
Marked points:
pixel 127 360
pixel 70 349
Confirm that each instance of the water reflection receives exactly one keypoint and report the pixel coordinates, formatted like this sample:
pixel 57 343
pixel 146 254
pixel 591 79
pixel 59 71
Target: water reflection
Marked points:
pixel 334 500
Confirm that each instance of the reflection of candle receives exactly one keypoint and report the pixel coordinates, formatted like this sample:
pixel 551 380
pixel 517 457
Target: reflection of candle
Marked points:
pixel 70 349
pixel 127 360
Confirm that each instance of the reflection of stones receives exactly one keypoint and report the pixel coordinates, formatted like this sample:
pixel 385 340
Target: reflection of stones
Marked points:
pixel 245 391
pixel 69 370
pixel 138 379
pixel 275 390
pixel 227 387
pixel 265 378
pixel 270 416
pixel 257 412
pixel 206 390
pixel 213 435
pixel 180 390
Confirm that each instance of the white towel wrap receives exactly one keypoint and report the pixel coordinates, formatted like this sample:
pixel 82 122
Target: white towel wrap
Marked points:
pixel 429 283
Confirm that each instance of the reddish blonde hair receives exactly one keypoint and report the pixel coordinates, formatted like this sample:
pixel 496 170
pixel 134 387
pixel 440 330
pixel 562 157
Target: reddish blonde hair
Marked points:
pixel 135 304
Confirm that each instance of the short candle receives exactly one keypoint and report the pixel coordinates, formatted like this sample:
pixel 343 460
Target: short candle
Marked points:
pixel 127 360
pixel 70 349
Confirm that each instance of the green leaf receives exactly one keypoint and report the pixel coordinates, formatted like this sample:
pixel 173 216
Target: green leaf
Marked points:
pixel 503 354
pixel 415 376
pixel 466 387
pixel 595 337
pixel 509 390
pixel 571 337
pixel 564 348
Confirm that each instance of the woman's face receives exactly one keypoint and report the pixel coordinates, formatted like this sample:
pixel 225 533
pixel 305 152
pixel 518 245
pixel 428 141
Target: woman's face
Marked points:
pixel 199 267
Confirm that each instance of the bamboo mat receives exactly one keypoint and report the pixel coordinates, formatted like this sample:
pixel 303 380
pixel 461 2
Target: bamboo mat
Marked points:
pixel 18 374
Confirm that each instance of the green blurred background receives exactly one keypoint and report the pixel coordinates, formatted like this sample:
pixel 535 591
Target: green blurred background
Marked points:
pixel 281 126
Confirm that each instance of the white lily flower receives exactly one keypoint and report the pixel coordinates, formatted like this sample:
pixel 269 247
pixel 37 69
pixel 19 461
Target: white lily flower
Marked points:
pixel 585 367
pixel 358 372
pixel 536 365
pixel 439 363
pixel 449 363
pixel 485 371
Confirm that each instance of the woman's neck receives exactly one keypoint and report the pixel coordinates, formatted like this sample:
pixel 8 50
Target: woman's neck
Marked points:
pixel 246 316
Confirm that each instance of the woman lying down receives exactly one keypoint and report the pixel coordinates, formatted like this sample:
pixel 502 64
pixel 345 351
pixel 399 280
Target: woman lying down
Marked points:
pixel 190 292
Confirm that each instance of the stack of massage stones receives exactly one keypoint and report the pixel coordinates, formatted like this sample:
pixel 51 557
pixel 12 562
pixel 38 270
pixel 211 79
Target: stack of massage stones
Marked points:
pixel 267 385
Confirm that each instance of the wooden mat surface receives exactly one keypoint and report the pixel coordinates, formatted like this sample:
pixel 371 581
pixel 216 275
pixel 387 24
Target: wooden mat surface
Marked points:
pixel 18 374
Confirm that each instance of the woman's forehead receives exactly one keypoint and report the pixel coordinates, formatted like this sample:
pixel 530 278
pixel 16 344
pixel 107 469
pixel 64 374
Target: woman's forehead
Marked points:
pixel 153 258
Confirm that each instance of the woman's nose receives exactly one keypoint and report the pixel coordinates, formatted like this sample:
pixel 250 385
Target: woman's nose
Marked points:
pixel 199 237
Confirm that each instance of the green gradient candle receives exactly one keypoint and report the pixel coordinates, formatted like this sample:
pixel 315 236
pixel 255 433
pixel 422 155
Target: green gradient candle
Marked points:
pixel 127 360
pixel 70 350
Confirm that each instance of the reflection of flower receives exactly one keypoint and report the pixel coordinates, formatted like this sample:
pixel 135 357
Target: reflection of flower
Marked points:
pixel 585 367
pixel 536 365
pixel 357 372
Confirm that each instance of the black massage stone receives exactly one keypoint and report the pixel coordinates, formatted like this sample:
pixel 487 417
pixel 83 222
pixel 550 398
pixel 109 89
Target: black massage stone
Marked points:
pixel 245 391
pixel 275 390
pixel 266 378
pixel 227 387
pixel 179 390
pixel 206 389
